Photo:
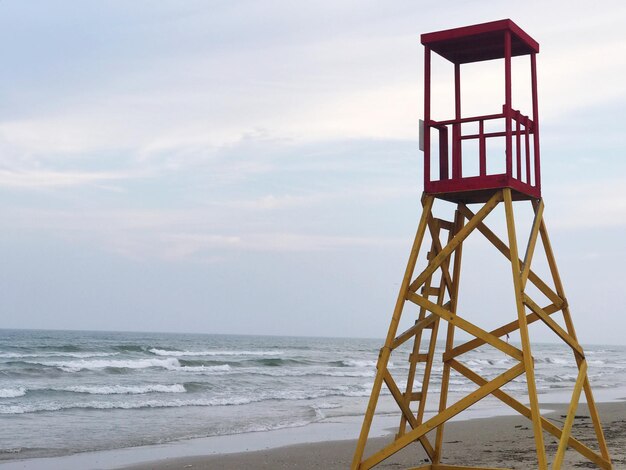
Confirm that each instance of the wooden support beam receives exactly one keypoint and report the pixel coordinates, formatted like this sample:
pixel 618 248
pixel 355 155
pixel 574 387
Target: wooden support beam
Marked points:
pixel 406 411
pixel 504 249
pixel 445 283
pixel 456 241
pixel 428 365
pixel 437 248
pixel 525 411
pixel 532 242
pixel 591 404
pixel 554 326
pixel 431 291
pixel 523 329
pixel 412 331
pixel 420 357
pixel 445 415
pixel 466 326
pixel 571 413
pixel 499 332
pixel 445 224
pixel 445 376
pixel 393 328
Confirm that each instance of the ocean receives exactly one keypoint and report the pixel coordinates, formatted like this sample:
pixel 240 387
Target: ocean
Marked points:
pixel 65 392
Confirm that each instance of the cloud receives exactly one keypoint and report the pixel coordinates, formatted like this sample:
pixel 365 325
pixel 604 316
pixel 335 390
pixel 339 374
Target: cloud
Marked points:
pixel 46 179
pixel 178 105
pixel 183 245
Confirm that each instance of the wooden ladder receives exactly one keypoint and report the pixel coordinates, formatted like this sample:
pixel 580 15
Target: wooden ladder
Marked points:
pixel 428 322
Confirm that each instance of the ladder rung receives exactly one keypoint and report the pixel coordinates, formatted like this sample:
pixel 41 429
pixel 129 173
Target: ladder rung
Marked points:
pixel 415 396
pixel 431 291
pixel 419 325
pixel 418 357
pixel 445 224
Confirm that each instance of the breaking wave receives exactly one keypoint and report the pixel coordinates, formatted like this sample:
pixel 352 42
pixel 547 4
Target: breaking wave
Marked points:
pixel 12 392
pixel 175 353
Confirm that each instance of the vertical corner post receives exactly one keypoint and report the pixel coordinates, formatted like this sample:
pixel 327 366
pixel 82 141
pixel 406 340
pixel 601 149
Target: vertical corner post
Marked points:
pixel 567 317
pixel 457 169
pixel 533 73
pixel 523 330
pixel 459 221
pixel 507 104
pixel 527 150
pixel 383 359
pixel 518 144
pixel 482 149
pixel 426 117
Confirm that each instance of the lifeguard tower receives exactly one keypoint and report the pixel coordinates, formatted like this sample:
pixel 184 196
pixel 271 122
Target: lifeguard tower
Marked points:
pixel 503 173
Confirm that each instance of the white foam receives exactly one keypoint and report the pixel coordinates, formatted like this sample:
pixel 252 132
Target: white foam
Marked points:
pixel 12 355
pixel 165 352
pixel 12 392
pixel 289 372
pixel 363 393
pixel 122 405
pixel 367 373
pixel 556 360
pixel 361 363
pixel 275 427
pixel 291 395
pixel 328 406
pixel 489 362
pixel 124 389
pixel 207 369
pixel 76 366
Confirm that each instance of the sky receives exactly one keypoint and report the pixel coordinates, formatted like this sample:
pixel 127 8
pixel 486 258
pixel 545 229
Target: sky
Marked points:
pixel 252 167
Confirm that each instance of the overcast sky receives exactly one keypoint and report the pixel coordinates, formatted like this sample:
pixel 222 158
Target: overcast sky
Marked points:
pixel 252 166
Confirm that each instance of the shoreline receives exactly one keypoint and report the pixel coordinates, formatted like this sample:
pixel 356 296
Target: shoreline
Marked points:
pixel 483 438
pixel 503 441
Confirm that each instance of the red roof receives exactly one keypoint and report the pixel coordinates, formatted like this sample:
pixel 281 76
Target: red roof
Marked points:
pixel 479 42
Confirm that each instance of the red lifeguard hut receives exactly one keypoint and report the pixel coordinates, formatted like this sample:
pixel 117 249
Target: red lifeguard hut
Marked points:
pixel 496 40
pixel 492 174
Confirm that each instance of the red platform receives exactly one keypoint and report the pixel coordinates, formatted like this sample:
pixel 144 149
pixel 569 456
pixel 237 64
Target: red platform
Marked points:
pixel 488 41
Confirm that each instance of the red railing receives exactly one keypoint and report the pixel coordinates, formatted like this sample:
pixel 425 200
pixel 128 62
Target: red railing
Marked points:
pixel 521 160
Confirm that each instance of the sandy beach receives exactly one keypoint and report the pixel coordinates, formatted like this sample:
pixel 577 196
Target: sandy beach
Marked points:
pixel 504 441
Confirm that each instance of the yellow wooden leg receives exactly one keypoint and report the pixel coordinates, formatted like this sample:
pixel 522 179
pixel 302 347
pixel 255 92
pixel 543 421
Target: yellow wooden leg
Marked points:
pixel 569 421
pixel 393 328
pixel 521 314
pixel 445 415
pixel 591 404
pixel 445 378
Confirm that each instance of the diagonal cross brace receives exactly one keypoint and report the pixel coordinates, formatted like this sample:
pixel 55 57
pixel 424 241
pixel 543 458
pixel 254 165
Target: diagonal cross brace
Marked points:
pixel 443 416
pixel 525 411
pixel 456 241
pixel 498 332
pixel 406 412
pixel 504 249
pixel 469 327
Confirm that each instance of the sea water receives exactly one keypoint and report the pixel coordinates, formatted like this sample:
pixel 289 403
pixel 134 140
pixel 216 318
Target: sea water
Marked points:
pixel 63 392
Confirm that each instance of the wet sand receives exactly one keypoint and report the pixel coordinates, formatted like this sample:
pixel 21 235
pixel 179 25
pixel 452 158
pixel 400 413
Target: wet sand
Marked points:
pixel 505 442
